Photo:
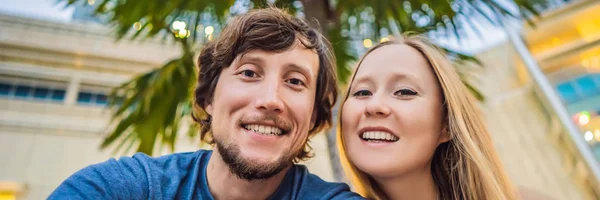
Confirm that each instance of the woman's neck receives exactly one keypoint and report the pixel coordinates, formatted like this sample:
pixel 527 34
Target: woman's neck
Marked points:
pixel 414 185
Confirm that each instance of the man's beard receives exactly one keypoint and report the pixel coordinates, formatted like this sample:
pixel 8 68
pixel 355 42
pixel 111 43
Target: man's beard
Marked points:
pixel 247 169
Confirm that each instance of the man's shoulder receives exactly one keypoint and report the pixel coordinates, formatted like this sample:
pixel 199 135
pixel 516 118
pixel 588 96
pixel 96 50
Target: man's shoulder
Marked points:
pixel 145 162
pixel 139 175
pixel 175 158
pixel 314 187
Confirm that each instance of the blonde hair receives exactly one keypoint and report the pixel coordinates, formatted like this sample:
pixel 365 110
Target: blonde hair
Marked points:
pixel 466 167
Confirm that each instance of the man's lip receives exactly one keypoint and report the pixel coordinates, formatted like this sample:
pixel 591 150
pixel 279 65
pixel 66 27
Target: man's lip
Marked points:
pixel 263 123
pixel 260 137
pixel 376 128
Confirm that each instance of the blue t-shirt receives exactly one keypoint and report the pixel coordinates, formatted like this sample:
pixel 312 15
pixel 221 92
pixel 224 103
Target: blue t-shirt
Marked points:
pixel 179 176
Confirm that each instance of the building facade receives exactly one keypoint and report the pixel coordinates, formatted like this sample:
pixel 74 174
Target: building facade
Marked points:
pixel 536 150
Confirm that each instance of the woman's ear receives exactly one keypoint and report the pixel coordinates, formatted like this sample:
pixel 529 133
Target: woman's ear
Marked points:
pixel 445 135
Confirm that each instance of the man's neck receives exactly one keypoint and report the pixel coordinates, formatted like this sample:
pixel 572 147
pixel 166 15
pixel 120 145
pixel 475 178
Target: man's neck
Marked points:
pixel 225 185
pixel 414 185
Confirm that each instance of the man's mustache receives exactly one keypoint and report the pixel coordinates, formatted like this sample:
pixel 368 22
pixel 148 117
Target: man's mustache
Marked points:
pixel 280 122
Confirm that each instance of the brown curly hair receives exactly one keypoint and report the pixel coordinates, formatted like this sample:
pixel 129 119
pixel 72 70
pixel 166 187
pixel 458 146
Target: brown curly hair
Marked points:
pixel 271 30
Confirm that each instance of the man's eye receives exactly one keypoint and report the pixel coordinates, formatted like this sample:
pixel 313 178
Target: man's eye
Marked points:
pixel 362 93
pixel 405 92
pixel 249 73
pixel 295 81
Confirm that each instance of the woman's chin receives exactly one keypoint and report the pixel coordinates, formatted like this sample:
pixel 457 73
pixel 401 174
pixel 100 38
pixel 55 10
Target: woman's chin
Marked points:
pixel 378 169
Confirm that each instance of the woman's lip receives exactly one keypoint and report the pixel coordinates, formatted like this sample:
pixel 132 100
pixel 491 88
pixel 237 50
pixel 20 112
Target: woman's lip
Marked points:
pixel 376 128
pixel 376 144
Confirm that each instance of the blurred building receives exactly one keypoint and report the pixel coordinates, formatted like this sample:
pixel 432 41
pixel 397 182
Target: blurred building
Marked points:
pixel 566 43
pixel 534 147
pixel 54 81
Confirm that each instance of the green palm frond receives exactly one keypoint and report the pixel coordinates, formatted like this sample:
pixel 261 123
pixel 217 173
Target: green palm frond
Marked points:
pixel 149 108
pixel 156 17
pixel 287 5
pixel 422 16
pixel 152 105
pixel 341 48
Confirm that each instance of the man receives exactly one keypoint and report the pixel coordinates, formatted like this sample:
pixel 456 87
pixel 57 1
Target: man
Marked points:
pixel 264 87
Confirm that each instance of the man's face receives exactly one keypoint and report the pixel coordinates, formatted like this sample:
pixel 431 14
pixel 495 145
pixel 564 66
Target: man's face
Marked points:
pixel 262 110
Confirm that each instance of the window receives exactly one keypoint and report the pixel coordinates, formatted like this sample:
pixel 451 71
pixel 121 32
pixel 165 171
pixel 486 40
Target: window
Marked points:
pixel 568 93
pixel 102 99
pixel 95 95
pixel 58 95
pixel 587 86
pixel 41 93
pixel 92 98
pixel 23 89
pixel 84 97
pixel 580 88
pixel 5 89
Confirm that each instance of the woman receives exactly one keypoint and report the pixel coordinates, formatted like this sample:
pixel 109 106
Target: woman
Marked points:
pixel 409 129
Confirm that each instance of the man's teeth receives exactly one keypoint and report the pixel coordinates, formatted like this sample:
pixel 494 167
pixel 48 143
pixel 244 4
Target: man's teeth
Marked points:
pixel 379 135
pixel 264 130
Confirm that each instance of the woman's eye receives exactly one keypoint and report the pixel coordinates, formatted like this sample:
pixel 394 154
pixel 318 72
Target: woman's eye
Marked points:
pixel 362 93
pixel 249 73
pixel 295 81
pixel 405 92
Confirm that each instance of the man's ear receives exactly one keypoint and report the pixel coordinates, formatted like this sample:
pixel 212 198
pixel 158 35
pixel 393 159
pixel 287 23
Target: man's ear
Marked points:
pixel 313 119
pixel 444 135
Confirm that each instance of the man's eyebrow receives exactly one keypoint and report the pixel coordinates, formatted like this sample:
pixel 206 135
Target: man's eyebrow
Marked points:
pixel 251 58
pixel 302 69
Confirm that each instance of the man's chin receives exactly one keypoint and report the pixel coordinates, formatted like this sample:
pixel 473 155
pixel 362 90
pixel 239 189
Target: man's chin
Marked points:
pixel 251 166
pixel 261 159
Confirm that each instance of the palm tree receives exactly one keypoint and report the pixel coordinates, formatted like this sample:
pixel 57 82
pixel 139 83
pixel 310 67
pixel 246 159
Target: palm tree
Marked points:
pixel 151 107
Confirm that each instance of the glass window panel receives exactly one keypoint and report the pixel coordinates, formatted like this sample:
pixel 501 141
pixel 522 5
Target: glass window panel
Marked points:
pixel 596 149
pixel 23 91
pixel 5 89
pixel 597 77
pixel 58 95
pixel 587 86
pixel 41 93
pixel 84 97
pixel 567 92
pixel 101 99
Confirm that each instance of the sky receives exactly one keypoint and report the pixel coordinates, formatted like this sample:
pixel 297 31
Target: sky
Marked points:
pixel 471 43
pixel 40 9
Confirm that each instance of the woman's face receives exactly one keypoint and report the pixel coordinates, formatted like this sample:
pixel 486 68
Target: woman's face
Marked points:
pixel 392 119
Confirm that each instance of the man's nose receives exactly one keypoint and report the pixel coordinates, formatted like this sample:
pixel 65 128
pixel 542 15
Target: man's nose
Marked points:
pixel 268 99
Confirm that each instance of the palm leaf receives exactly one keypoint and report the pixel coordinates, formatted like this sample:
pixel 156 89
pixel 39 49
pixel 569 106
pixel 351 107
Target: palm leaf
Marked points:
pixel 153 105
pixel 426 15
pixel 341 48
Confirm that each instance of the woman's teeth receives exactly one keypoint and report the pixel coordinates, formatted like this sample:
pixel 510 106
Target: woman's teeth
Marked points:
pixel 263 130
pixel 379 136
